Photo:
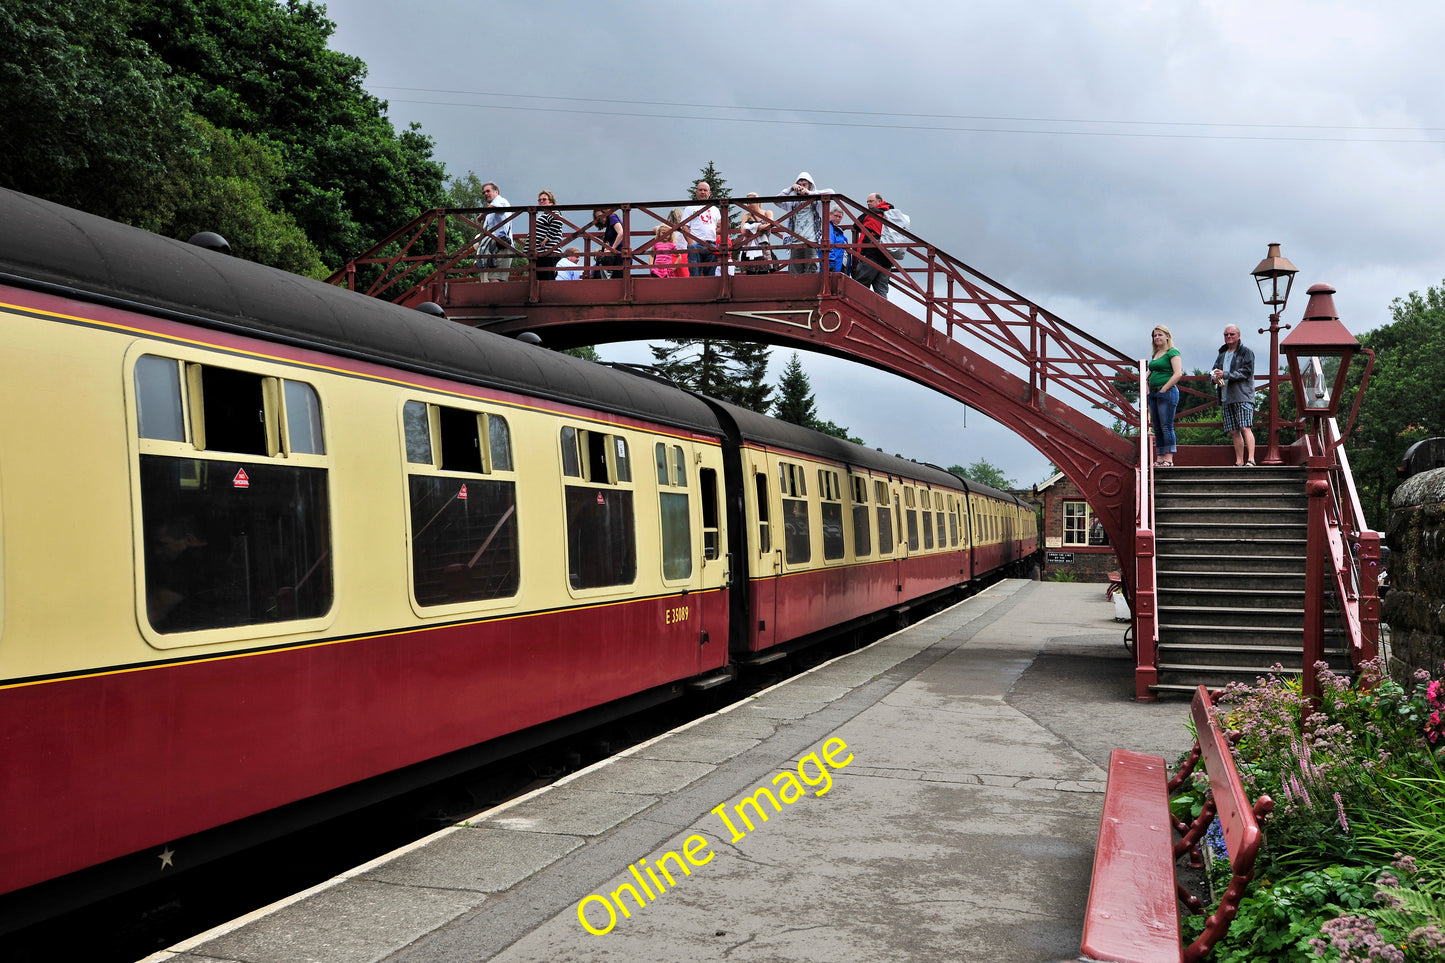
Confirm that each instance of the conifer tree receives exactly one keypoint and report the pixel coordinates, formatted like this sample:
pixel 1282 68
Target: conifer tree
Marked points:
pixel 730 370
pixel 796 402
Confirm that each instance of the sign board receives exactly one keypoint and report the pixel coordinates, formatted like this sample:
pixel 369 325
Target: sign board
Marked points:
pixel 1060 557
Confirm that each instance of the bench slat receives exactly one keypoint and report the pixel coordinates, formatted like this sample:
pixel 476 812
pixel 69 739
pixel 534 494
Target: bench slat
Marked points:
pixel 1133 913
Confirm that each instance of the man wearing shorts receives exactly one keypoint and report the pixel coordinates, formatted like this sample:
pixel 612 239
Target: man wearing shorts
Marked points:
pixel 1233 376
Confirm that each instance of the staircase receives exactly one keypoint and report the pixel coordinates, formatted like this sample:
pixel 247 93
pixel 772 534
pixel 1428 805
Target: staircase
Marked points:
pixel 1230 554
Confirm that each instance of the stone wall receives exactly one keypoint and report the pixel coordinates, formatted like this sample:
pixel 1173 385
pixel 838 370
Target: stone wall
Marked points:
pixel 1414 607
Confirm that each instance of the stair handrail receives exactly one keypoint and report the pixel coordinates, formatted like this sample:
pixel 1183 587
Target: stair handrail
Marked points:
pixel 1146 576
pixel 1354 551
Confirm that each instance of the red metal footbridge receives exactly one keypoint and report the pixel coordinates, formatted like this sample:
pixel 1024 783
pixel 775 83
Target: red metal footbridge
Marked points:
pixel 942 324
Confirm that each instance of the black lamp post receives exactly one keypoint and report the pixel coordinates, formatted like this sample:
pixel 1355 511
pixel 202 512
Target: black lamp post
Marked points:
pixel 1274 276
pixel 1319 351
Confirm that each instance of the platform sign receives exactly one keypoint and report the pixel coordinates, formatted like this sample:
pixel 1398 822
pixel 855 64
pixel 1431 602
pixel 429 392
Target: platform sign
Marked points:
pixel 1058 558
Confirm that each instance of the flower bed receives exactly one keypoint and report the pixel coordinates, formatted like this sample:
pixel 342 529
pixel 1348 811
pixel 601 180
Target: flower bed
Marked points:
pixel 1353 863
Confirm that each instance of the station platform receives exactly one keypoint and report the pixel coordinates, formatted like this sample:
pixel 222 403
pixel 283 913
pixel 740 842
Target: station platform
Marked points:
pixel 956 820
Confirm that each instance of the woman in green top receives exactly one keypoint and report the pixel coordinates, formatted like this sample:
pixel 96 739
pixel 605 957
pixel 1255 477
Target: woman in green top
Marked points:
pixel 1165 370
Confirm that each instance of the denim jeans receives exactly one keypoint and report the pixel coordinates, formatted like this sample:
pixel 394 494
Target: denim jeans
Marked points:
pixel 1162 405
pixel 702 254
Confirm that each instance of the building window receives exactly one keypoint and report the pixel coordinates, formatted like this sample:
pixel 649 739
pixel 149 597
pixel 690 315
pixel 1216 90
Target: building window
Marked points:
pixel 1081 525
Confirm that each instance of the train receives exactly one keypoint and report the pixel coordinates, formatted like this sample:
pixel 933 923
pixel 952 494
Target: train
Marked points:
pixel 269 548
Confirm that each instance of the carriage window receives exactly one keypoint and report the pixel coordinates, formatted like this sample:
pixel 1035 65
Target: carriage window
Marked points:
pixel 927 520
pixel 953 521
pixel 417 430
pixel 832 506
pixel 230 541
pixel 233 410
pixel 499 443
pixel 765 541
pixel 938 518
pixel 797 540
pixel 601 526
pixel 464 534
pixel 711 532
pixel 676 516
pixel 885 518
pixel 158 398
pixel 571 467
pixel 862 538
pixel 303 419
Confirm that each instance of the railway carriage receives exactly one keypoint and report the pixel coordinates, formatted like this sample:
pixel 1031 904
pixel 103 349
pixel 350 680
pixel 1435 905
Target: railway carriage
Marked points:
pixel 270 549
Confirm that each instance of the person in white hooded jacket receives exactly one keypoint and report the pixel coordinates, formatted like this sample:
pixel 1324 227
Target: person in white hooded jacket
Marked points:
pixel 805 219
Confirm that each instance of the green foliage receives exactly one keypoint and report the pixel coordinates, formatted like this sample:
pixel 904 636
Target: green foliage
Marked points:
pixel 1402 403
pixel 1063 576
pixel 837 431
pixel 731 370
pixel 262 68
pixel 223 115
pixel 1277 920
pixel 92 117
pixel 1357 784
pixel 231 188
pixel 985 473
pixel 586 352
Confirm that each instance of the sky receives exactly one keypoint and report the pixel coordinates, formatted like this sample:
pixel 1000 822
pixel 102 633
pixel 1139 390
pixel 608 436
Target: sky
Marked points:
pixel 1122 164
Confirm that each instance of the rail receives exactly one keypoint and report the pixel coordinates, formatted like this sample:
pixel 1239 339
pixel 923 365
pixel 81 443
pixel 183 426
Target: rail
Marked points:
pixel 1146 574
pixel 456 245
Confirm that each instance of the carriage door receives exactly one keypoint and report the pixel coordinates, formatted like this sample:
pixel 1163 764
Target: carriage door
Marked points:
pixel 713 603
pixel 767 565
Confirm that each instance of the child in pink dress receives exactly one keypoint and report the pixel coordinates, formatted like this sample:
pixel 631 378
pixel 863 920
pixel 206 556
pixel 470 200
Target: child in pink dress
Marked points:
pixel 664 253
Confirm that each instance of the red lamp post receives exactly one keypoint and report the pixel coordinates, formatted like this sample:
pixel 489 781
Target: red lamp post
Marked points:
pixel 1319 351
pixel 1274 277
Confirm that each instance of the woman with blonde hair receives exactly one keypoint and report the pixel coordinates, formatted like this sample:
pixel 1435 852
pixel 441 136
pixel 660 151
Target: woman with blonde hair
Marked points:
pixel 549 235
pixel 1165 369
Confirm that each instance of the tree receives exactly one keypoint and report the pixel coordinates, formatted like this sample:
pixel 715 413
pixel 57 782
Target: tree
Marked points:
pixel 586 352
pixel 795 401
pixel 714 180
pixel 260 68
pixel 93 119
pixel 985 473
pixel 1403 402
pixel 730 370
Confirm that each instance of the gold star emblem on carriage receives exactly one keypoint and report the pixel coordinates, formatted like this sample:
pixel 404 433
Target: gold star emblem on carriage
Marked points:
pixel 166 857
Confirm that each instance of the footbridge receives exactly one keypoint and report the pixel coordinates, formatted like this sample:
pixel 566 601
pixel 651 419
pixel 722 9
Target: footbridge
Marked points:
pixel 943 324
pixel 772 278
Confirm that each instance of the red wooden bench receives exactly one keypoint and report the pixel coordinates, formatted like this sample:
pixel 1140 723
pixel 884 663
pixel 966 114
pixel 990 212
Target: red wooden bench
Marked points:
pixel 1133 914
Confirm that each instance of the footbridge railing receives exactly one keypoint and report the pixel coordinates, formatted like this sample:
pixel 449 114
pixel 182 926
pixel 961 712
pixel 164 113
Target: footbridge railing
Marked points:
pixel 443 248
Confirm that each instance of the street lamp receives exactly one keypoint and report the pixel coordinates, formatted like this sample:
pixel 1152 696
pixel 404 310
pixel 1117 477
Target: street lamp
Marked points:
pixel 1274 277
pixel 1320 350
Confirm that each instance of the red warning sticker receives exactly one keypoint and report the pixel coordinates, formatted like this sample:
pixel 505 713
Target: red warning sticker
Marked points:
pixel 600 499
pixel 463 493
pixel 242 480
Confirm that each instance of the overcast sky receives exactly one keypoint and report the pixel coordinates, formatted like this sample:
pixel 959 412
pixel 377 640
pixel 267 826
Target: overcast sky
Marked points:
pixel 1122 164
